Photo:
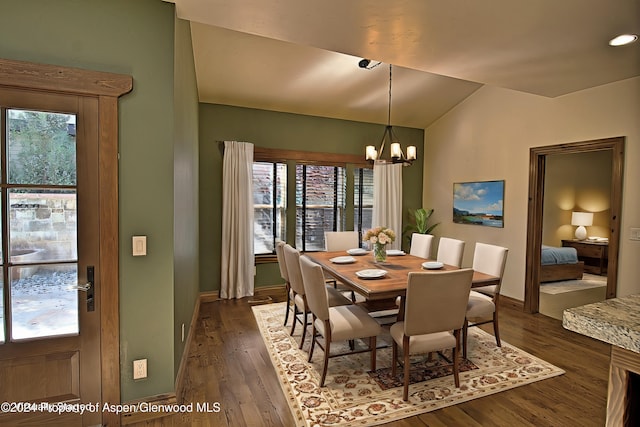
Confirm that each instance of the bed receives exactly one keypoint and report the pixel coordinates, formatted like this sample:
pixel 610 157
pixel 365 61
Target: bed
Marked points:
pixel 560 264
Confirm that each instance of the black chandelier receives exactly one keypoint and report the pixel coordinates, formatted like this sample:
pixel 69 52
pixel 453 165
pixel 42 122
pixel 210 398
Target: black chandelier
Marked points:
pixel 389 136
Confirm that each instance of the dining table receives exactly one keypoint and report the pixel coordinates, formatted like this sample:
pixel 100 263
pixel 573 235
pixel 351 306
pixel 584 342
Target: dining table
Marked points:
pixel 347 269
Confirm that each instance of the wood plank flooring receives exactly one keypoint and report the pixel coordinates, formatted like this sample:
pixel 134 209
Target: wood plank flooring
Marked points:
pixel 229 366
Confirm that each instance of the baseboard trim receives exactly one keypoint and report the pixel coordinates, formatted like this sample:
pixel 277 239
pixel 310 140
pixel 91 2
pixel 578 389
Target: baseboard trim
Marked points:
pixel 185 354
pixel 512 302
pixel 132 416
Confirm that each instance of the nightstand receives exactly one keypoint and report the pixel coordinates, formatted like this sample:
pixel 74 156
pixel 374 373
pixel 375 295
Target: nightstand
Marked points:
pixel 594 254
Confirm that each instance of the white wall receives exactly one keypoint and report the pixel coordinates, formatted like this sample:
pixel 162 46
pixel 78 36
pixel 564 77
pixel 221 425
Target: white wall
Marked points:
pixel 488 137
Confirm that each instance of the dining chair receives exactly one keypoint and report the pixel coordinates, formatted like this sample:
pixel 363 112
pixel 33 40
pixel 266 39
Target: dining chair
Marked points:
pixel 434 311
pixel 341 241
pixel 300 305
pixel 421 245
pixel 450 251
pixel 483 301
pixel 338 323
pixel 285 276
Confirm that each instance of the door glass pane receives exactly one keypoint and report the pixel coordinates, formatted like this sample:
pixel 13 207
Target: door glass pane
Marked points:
pixel 42 225
pixel 41 148
pixel 44 301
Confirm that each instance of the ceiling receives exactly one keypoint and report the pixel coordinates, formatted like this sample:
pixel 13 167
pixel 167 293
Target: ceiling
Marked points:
pixel 302 56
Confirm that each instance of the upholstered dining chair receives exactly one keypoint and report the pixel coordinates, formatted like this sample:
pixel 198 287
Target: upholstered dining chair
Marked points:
pixel 341 241
pixel 450 251
pixel 435 307
pixel 339 323
pixel 285 276
pixel 300 306
pixel 421 245
pixel 483 302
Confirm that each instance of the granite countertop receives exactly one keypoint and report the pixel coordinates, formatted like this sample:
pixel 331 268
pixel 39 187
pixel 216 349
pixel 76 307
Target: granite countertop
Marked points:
pixel 615 321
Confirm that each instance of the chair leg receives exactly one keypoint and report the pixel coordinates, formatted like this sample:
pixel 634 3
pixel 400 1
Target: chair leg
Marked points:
pixel 496 331
pixel 327 347
pixel 286 314
pixel 394 360
pixel 313 339
pixel 295 317
pixel 305 316
pixel 372 346
pixel 456 365
pixel 405 351
pixel 465 326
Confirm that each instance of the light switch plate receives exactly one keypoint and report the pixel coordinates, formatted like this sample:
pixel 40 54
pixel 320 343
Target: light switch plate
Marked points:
pixel 634 234
pixel 139 244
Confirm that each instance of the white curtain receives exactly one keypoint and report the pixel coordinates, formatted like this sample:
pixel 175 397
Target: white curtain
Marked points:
pixel 237 221
pixel 387 198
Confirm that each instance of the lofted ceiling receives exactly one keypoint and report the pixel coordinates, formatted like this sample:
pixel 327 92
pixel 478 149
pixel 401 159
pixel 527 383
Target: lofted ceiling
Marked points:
pixel 302 56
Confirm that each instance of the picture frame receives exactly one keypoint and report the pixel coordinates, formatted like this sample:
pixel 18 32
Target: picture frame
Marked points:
pixel 479 203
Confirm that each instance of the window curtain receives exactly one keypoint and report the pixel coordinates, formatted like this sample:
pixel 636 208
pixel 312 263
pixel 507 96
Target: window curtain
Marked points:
pixel 237 278
pixel 387 199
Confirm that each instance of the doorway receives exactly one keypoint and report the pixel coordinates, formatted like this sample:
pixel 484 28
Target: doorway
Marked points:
pixel 59 241
pixel 537 168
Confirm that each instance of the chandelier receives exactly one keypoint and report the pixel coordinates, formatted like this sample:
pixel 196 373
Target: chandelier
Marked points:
pixel 389 137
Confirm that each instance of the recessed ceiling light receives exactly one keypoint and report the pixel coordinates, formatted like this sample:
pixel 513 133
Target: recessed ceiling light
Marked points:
pixel 623 39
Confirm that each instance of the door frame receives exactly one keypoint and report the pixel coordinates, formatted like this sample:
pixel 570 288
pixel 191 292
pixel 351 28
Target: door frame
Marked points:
pixel 537 165
pixel 107 88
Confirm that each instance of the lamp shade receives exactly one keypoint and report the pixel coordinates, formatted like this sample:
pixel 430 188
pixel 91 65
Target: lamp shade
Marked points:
pixel 582 218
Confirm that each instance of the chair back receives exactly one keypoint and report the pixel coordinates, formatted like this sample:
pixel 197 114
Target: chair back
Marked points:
pixel 340 240
pixel 436 301
pixel 315 288
pixel 281 261
pixel 421 245
pixel 291 257
pixel 450 251
pixel 490 259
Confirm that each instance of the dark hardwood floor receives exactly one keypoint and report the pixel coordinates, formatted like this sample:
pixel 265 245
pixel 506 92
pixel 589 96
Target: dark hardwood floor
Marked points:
pixel 229 366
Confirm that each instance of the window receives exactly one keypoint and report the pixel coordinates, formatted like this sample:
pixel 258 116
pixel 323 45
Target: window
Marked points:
pixel 269 196
pixel 363 199
pixel 326 198
pixel 320 204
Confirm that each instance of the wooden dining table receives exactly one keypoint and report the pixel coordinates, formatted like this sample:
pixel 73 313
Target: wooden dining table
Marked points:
pixel 393 283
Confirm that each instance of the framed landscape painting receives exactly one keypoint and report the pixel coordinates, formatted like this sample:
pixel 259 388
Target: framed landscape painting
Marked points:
pixel 479 203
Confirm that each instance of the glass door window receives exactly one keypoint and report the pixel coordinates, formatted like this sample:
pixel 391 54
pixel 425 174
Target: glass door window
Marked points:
pixel 39 226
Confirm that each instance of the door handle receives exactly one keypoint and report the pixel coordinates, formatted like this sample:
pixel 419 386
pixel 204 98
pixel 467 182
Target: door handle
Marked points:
pixel 85 288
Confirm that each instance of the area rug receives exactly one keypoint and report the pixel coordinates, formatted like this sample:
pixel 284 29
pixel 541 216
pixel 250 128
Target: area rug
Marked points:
pixel 589 281
pixel 353 396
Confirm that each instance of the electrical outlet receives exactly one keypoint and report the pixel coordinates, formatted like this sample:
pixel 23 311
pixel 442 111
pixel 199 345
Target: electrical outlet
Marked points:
pixel 139 369
pixel 634 234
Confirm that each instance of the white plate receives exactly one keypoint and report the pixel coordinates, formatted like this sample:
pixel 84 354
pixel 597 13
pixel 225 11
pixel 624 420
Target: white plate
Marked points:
pixel 432 265
pixel 371 273
pixel 343 260
pixel 357 251
pixel 395 252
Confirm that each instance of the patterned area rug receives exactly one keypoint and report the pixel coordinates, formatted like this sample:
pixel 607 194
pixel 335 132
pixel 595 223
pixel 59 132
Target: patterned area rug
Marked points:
pixel 354 396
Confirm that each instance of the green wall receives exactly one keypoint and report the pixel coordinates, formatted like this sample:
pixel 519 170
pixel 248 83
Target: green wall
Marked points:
pixel 134 38
pixel 285 131
pixel 185 192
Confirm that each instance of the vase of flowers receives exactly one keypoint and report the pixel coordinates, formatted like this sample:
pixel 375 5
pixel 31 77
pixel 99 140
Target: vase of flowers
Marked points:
pixel 378 238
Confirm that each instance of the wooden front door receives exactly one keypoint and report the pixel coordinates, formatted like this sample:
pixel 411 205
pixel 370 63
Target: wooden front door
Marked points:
pixel 59 337
pixel 50 337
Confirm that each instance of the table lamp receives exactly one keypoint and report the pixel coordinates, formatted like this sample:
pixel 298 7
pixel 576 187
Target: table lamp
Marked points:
pixel 581 219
